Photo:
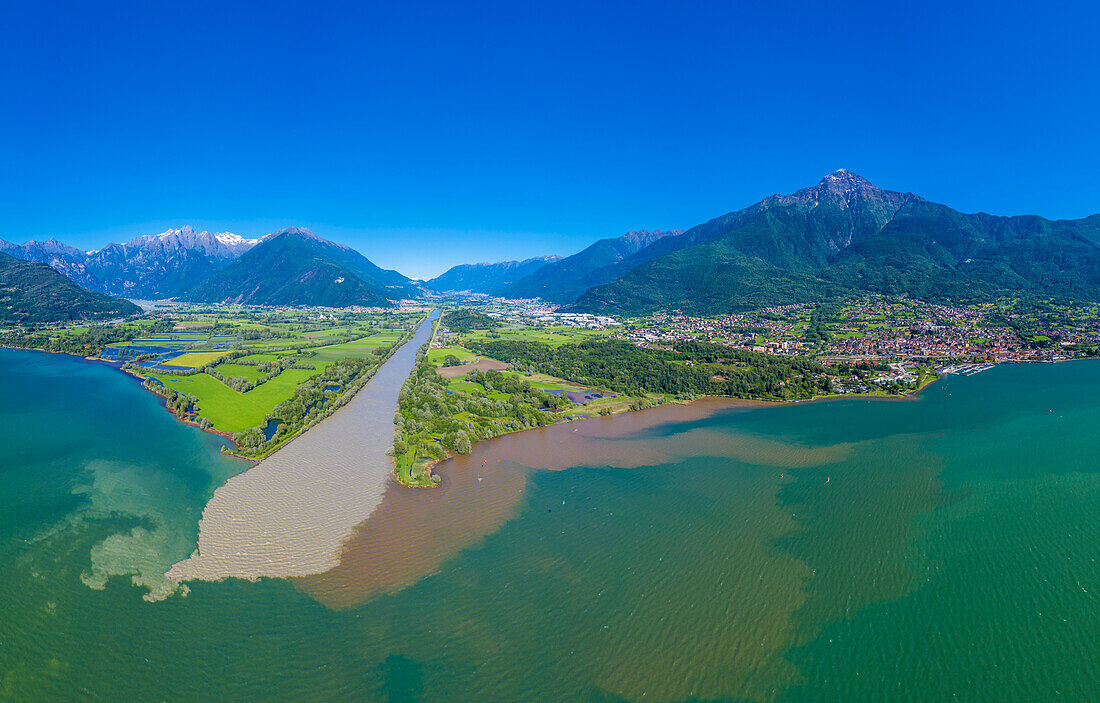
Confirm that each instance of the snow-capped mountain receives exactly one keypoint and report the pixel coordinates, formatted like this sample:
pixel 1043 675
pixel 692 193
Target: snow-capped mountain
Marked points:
pixel 150 266
pixel 219 245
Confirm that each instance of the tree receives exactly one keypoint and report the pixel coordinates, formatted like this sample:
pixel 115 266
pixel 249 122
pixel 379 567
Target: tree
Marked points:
pixel 460 442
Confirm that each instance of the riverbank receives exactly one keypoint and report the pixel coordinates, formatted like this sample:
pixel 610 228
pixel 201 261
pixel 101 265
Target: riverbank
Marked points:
pixel 290 514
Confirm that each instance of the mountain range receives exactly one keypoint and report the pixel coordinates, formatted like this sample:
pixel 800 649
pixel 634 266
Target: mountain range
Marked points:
pixel 486 278
pixel 563 281
pixel 289 267
pixel 840 237
pixel 844 236
pixel 147 267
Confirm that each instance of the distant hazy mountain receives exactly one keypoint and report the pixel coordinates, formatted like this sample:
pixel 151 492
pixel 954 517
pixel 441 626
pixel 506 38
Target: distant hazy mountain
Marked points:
pixel 35 292
pixel 296 267
pixel 151 266
pixel 487 278
pixel 564 280
pixel 845 235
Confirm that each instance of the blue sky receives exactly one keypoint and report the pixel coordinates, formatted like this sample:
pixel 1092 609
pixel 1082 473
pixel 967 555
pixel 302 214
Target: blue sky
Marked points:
pixel 428 134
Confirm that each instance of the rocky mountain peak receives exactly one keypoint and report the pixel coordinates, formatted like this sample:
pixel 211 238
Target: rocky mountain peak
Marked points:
pixel 299 232
pixel 844 189
pixel 842 183
pixel 843 176
pixel 219 245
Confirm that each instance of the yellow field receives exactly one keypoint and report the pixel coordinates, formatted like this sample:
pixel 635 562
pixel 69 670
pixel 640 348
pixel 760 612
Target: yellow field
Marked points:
pixel 193 359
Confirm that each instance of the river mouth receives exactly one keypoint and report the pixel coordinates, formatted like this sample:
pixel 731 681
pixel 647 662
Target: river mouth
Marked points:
pixel 290 514
pixel 413 532
pixel 847 550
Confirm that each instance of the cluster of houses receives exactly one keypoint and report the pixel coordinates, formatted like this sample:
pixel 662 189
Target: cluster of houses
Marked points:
pixel 877 331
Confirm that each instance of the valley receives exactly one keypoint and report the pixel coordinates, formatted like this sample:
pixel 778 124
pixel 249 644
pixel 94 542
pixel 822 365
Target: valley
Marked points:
pixel 550 352
pixel 839 289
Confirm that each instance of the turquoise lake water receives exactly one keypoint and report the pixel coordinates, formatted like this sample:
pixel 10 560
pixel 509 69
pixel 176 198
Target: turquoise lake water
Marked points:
pixel 935 549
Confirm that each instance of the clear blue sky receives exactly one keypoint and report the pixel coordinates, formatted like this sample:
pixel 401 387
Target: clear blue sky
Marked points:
pixel 428 134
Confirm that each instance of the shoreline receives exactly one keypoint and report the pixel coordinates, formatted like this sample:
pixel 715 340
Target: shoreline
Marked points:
pixel 412 533
pixel 734 402
pixel 163 402
pixel 139 378
pixel 434 463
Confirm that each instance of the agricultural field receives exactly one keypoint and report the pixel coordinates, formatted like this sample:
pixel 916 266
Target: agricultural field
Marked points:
pixel 554 335
pixel 234 368
pixel 226 409
pixel 465 356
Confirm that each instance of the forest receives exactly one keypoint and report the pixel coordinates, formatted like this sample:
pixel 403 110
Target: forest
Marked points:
pixel 463 320
pixel 433 420
pixel 686 368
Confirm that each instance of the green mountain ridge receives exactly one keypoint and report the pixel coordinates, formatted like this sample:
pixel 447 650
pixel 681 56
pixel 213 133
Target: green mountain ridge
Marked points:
pixel 845 236
pixel 36 293
pixel 296 267
pixel 562 281
pixel 489 278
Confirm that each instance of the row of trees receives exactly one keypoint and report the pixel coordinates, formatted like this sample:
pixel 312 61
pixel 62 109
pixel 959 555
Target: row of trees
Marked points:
pixel 89 342
pixel 269 368
pixel 310 403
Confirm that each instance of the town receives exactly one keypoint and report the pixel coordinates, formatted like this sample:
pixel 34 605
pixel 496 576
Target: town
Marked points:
pixel 894 334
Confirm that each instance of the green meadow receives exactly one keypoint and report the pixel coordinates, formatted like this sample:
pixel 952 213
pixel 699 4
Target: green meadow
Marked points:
pixel 554 335
pixel 271 341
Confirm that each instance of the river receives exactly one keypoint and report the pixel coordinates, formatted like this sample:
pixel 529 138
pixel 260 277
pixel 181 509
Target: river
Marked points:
pixel 942 547
pixel 290 514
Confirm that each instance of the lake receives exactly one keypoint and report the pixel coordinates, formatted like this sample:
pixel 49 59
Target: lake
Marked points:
pixel 937 548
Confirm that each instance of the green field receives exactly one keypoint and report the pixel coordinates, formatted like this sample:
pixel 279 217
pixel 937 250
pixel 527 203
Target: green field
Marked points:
pixel 458 385
pixel 230 369
pixel 227 409
pixel 261 357
pixel 269 336
pixel 436 356
pixel 553 335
